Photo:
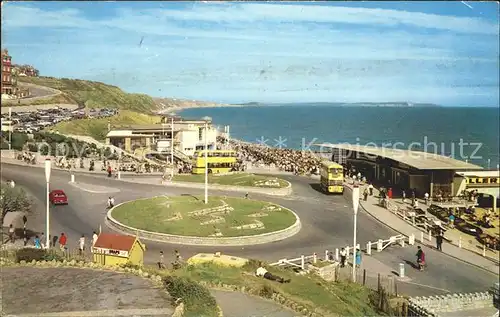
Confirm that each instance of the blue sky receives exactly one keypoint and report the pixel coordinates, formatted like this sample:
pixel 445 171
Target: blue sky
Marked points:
pixel 435 52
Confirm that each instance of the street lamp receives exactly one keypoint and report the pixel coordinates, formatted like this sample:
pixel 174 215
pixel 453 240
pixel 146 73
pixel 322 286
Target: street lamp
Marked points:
pixel 172 147
pixel 206 119
pixel 47 178
pixel 10 128
pixel 355 206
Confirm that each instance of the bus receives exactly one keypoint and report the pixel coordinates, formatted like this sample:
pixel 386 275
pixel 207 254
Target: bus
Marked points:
pixel 332 177
pixel 219 161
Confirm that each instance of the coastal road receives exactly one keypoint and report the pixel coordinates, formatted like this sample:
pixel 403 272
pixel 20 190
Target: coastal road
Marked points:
pixel 327 223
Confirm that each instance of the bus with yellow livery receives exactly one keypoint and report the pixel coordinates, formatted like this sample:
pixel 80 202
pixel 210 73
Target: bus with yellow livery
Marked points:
pixel 332 177
pixel 219 161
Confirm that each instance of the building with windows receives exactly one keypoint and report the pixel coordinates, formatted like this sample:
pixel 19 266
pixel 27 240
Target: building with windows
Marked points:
pixel 188 136
pixel 7 84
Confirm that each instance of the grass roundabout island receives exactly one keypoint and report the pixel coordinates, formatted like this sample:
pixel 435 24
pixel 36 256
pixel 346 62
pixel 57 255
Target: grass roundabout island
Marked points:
pixel 189 216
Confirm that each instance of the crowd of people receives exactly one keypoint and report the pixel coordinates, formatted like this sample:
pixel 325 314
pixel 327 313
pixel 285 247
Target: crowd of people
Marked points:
pixel 288 160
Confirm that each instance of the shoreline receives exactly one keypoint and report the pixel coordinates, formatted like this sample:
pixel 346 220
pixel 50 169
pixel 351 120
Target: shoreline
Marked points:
pixel 182 108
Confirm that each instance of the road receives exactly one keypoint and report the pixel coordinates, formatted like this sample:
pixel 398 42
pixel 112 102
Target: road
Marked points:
pixel 327 223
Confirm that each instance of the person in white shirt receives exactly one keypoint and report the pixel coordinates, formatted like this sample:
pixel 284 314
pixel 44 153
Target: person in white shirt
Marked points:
pixel 94 238
pixel 370 188
pixel 426 196
pixel 81 243
pixel 343 257
pixel 262 272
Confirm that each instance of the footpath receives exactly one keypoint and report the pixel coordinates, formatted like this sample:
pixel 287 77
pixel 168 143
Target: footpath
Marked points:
pixel 451 242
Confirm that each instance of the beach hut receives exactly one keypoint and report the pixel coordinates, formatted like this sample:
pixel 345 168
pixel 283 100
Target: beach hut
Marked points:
pixel 117 249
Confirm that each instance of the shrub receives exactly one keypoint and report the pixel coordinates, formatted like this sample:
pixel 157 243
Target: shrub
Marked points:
pixel 196 298
pixel 266 291
pixel 131 266
pixel 30 254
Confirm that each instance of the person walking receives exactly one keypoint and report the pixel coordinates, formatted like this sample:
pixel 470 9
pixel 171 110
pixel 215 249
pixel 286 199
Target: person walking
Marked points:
pixel 426 198
pixel 370 188
pixel 161 260
pixel 54 241
pixel 62 241
pixel 404 196
pixel 94 238
pixel 420 258
pixel 343 256
pixel 439 242
pixel 81 243
pixel 12 235
pixel 37 243
pixel 358 258
pixel 365 194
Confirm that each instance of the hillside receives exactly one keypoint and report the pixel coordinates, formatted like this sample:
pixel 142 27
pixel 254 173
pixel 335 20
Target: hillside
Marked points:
pixel 93 94
pixel 98 128
pixel 171 104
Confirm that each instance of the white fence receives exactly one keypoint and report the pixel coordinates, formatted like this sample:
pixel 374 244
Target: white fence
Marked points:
pixel 300 262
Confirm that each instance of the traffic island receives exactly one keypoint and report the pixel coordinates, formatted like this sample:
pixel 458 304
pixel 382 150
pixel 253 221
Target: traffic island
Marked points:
pixel 224 221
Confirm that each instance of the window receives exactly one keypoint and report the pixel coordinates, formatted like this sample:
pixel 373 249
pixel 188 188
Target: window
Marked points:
pixel 200 134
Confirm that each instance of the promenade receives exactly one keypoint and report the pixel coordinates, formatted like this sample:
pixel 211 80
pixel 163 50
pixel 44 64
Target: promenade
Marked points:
pixel 450 244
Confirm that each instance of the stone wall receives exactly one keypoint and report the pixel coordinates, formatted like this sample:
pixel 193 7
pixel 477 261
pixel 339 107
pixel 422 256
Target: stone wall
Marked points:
pixel 434 305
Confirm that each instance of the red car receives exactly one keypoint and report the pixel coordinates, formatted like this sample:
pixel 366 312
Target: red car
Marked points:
pixel 58 197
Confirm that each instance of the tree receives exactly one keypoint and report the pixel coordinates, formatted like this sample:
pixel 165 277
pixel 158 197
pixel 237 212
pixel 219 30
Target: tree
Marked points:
pixel 13 199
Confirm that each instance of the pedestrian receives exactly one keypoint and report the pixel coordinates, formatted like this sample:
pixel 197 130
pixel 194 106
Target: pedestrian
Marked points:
pixel 439 241
pixel 42 239
pixel 404 196
pixel 420 258
pixel 426 197
pixel 365 194
pixel 12 235
pixel 358 258
pixel 370 188
pixel 25 220
pixel 343 256
pixel 94 238
pixel 161 264
pixel 110 171
pixel 246 195
pixel 389 193
pixel 62 241
pixel 81 243
pixel 54 241
pixel 36 242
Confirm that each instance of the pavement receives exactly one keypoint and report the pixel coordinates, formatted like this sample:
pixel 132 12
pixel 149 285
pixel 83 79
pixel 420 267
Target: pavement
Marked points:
pixel 490 262
pixel 327 224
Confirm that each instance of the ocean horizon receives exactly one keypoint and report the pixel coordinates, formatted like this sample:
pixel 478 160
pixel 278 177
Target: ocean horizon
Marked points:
pixel 463 133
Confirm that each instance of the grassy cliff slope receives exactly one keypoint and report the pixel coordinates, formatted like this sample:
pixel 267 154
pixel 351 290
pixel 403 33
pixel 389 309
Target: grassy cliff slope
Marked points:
pixel 94 94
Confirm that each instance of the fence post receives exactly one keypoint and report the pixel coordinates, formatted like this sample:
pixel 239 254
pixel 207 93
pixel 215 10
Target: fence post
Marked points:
pixel 411 239
pixel 337 257
pixel 302 262
pixel 315 258
pixel 369 248
pixel 379 245
pixel 484 249
pixel 460 241
pixel 421 237
pixel 347 249
pixel 72 178
pixel 326 255
pixel 364 277
pixel 430 235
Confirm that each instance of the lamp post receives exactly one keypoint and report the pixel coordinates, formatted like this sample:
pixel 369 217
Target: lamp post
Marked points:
pixel 172 148
pixel 10 128
pixel 355 206
pixel 47 220
pixel 227 138
pixel 206 119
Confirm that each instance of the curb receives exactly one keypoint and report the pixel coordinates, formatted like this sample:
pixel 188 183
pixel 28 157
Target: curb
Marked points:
pixel 426 243
pixel 204 241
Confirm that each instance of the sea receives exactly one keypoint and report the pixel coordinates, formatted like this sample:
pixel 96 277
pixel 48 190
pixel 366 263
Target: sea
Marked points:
pixel 465 133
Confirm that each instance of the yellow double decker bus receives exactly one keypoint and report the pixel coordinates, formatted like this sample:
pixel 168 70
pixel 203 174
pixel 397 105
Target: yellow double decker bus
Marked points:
pixel 219 161
pixel 332 177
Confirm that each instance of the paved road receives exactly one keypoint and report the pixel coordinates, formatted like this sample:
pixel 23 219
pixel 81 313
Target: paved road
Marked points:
pixel 327 224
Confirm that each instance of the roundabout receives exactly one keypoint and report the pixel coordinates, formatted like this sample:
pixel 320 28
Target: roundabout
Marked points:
pixel 186 219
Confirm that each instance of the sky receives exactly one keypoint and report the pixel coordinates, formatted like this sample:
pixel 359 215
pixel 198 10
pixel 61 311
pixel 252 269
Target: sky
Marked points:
pixel 272 52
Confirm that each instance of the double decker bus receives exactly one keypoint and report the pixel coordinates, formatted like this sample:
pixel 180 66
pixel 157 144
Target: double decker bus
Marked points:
pixel 332 177
pixel 218 161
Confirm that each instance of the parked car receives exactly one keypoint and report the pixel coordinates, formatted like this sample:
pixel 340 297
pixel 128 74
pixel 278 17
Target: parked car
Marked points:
pixel 58 197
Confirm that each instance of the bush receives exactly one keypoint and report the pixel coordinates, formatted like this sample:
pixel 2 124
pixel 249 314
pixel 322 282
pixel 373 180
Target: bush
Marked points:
pixel 196 298
pixel 30 254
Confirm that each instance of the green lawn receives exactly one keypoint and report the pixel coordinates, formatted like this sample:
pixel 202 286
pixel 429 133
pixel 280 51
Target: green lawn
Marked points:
pixel 310 291
pixel 161 214
pixel 93 94
pixel 98 128
pixel 238 179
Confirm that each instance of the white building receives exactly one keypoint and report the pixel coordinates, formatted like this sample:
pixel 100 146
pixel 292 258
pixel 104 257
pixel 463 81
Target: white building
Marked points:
pixel 188 136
